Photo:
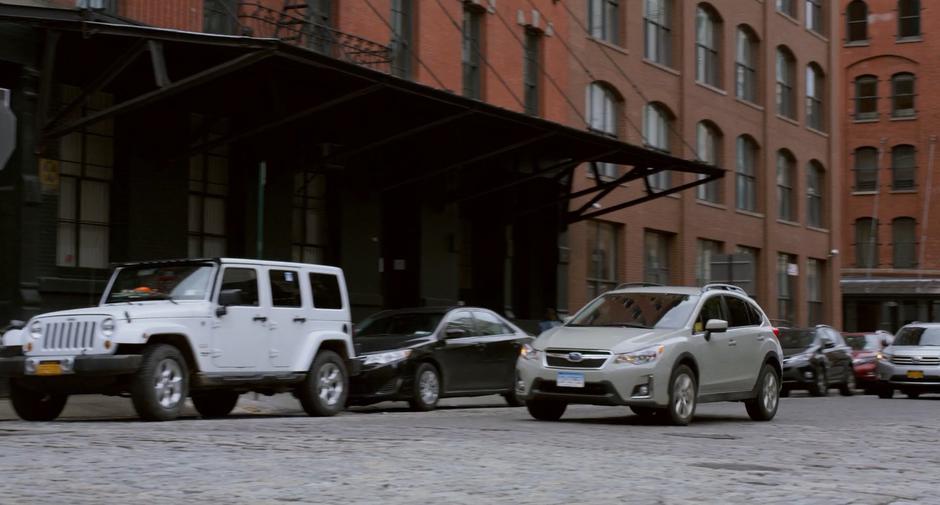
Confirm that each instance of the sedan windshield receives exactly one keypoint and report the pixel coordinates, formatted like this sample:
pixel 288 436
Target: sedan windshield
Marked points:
pixel 918 336
pixel 796 339
pixel 869 342
pixel 167 282
pixel 638 310
pixel 418 324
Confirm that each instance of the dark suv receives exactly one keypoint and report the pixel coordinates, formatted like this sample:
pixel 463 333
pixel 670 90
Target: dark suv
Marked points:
pixel 816 359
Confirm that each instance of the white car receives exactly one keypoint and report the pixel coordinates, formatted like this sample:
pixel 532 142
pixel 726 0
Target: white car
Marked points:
pixel 210 329
pixel 659 350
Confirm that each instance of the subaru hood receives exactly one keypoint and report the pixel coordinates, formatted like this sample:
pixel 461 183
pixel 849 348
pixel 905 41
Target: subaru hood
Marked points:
pixel 614 339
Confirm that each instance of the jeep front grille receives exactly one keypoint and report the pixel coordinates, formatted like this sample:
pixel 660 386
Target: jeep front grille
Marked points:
pixel 910 360
pixel 71 336
pixel 575 358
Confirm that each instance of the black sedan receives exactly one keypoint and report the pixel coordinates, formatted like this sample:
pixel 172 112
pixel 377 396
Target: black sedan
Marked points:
pixel 816 359
pixel 425 354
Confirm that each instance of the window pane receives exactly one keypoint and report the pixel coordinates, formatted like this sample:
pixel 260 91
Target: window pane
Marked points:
pixel 95 202
pixel 93 246
pixel 214 216
pixel 243 280
pixel 65 245
pixel 326 293
pixel 285 288
pixel 213 247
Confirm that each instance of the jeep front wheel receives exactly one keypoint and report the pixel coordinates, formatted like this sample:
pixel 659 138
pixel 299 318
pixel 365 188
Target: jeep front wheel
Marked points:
pixel 323 392
pixel 33 405
pixel 160 386
pixel 211 404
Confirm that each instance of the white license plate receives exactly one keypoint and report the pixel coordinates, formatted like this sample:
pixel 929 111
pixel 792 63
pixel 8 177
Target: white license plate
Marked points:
pixel 570 380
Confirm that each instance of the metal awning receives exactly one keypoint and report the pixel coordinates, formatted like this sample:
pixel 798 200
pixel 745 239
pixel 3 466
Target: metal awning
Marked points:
pixel 288 98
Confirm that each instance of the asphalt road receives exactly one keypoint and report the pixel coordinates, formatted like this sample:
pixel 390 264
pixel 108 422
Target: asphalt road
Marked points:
pixel 831 450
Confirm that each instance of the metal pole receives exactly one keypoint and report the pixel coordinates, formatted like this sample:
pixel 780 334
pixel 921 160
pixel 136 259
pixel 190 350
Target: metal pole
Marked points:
pixel 262 180
pixel 873 236
pixel 928 190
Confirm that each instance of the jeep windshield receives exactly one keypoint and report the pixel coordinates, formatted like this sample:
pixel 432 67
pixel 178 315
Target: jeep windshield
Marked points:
pixel 161 282
pixel 637 310
pixel 416 323
pixel 918 336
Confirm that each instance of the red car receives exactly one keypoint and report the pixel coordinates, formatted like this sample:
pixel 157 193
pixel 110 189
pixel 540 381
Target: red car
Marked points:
pixel 865 348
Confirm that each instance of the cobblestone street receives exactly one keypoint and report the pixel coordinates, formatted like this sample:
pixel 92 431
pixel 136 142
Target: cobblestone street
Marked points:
pixel 818 450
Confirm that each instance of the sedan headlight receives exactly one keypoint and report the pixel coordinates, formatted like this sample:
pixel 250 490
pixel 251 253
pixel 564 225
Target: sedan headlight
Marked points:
pixel 107 326
pixel 641 357
pixel 529 352
pixel 35 330
pixel 863 361
pixel 384 358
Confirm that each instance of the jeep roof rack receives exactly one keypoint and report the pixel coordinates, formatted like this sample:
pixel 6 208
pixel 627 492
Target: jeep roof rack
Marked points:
pixel 637 285
pixel 725 287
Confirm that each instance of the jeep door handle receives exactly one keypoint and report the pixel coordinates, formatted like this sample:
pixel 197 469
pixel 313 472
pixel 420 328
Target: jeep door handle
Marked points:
pixel 259 318
pixel 300 319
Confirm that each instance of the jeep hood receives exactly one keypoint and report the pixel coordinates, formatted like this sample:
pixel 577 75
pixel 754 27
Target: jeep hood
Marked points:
pixel 140 310
pixel 602 338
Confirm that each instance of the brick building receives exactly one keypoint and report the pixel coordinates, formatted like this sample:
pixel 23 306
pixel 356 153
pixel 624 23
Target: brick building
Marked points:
pixel 747 86
pixel 891 273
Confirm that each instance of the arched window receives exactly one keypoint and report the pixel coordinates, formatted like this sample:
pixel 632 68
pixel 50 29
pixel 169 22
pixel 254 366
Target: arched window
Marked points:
pixel 786 186
pixel 904 242
pixel 708 145
pixel 902 95
pixel 856 15
pixel 707 41
pixel 866 169
pixel 786 78
pixel 815 87
pixel 746 174
pixel 815 185
pixel 656 129
pixel 908 19
pixel 602 108
pixel 603 16
pixel 866 97
pixel 657 27
pixel 903 164
pixel 745 64
pixel 866 242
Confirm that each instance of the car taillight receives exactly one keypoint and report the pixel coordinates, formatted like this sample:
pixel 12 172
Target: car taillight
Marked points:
pixel 776 332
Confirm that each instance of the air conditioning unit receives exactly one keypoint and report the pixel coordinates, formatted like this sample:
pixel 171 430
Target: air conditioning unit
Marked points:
pixel 90 4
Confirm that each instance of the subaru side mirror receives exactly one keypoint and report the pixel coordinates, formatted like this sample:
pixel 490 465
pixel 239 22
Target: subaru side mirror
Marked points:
pixel 715 326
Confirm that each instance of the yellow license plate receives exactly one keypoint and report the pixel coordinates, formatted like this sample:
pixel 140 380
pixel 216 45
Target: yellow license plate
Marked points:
pixel 51 368
pixel 915 374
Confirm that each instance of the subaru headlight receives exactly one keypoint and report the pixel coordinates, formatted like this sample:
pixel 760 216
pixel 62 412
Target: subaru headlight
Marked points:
pixel 107 326
pixel 384 358
pixel 641 357
pixel 35 330
pixel 529 352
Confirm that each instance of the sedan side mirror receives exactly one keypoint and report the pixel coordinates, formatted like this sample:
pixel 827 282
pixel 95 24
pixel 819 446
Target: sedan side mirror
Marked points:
pixel 455 333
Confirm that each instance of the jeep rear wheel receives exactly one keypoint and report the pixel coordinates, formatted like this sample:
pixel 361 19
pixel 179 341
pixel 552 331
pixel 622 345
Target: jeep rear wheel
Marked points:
pixel 161 384
pixel 323 392
pixel 211 404
pixel 763 407
pixel 33 405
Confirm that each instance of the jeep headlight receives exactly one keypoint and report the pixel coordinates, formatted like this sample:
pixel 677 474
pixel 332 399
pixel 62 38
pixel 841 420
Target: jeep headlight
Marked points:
pixel 107 327
pixel 384 358
pixel 529 352
pixel 641 357
pixel 35 330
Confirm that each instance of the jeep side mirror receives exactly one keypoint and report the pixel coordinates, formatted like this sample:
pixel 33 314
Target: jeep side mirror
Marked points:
pixel 455 333
pixel 229 297
pixel 715 326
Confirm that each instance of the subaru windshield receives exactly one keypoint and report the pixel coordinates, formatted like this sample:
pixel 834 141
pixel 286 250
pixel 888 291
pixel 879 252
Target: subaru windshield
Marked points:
pixel 637 310
pixel 161 282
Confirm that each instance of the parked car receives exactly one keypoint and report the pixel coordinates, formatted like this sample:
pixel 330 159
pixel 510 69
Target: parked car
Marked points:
pixel 911 363
pixel 658 350
pixel 422 355
pixel 865 349
pixel 209 328
pixel 816 359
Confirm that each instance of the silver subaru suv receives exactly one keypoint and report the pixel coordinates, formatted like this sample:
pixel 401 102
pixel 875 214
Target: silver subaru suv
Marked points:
pixel 911 363
pixel 659 350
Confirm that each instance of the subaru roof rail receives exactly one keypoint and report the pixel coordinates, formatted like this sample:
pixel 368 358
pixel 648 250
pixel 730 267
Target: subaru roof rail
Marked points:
pixel 637 285
pixel 726 287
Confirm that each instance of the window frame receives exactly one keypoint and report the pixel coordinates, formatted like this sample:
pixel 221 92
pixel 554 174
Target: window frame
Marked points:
pixel 903 177
pixel 746 149
pixel 604 20
pixel 859 170
pixel 786 7
pixel 708 144
pixel 815 194
pixel 531 65
pixel 896 81
pixel 915 7
pixel 597 283
pixel 657 133
pixel 202 189
pixel 815 16
pixel 657 268
pixel 866 240
pixel 786 83
pixel 786 186
pixel 909 246
pixel 472 51
pixel 861 20
pixel 815 289
pixel 657 32
pixel 745 64
pixel 786 288
pixel 707 43
pixel 860 99
pixel 815 99
pixel 308 198
pixel 402 38
pixel 603 111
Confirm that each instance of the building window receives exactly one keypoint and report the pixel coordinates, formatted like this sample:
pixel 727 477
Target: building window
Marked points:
pixel 471 55
pixel 86 160
pixel 815 273
pixel 602 118
pixel 856 16
pixel 602 269
pixel 745 66
pixel 815 87
pixel 786 97
pixel 866 169
pixel 402 20
pixel 787 7
pixel 603 17
pixel 903 164
pixel 208 190
pixel 903 242
pixel 786 279
pixel 707 41
pixel 708 140
pixel 908 18
pixel 530 71
pixel 902 95
pixel 706 252
pixel 866 97
pixel 656 257
pixel 750 257
pixel 657 28
pixel 220 16
pixel 815 179
pixel 746 174
pixel 308 226
pixel 866 242
pixel 656 129
pixel 815 19
pixel 786 177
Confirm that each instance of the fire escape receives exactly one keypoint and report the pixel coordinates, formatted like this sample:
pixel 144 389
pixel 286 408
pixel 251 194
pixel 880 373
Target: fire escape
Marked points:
pixel 297 24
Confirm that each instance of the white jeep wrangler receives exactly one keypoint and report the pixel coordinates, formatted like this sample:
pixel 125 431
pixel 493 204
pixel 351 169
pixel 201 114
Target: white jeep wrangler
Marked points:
pixel 210 329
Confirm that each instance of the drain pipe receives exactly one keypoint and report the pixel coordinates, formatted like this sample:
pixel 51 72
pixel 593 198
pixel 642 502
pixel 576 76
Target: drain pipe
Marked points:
pixel 926 213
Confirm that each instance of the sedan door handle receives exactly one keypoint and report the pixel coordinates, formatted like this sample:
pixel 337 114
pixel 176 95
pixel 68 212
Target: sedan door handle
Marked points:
pixel 732 343
pixel 259 318
pixel 300 319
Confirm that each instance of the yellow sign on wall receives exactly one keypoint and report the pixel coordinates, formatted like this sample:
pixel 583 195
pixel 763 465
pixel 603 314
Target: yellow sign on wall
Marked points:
pixel 49 175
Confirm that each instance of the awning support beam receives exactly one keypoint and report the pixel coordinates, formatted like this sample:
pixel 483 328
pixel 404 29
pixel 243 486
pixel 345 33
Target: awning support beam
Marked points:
pixel 160 77
pixel 46 76
pixel 572 217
